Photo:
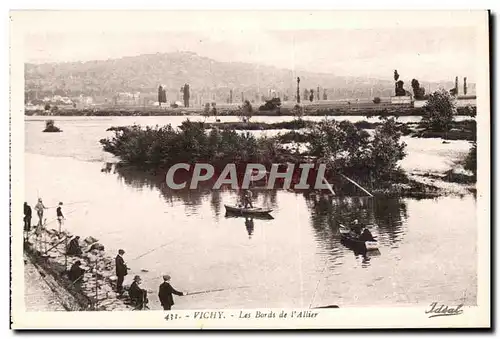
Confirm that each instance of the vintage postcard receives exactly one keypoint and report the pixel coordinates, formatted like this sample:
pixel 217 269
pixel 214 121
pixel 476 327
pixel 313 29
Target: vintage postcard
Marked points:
pixel 250 169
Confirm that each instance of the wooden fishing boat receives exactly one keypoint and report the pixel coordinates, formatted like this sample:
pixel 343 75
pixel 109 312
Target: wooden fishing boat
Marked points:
pixel 240 210
pixel 355 242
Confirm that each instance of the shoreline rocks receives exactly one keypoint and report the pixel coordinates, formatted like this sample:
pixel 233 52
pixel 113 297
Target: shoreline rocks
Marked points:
pixel 96 290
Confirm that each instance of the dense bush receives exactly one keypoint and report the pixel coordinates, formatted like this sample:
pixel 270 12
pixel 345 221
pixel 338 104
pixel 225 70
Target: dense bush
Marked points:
pixel 348 149
pixel 51 127
pixel 344 147
pixel 470 162
pixel 274 103
pixel 440 110
pixel 253 126
pixel 163 146
pixel 298 111
pixel 246 111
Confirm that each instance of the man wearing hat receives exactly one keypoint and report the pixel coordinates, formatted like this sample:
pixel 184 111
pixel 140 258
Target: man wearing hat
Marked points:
pixel 74 247
pixel 121 270
pixel 165 293
pixel 76 272
pixel 137 294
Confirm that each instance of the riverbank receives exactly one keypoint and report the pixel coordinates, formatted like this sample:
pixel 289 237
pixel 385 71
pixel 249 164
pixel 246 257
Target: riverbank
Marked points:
pixel 39 294
pixel 45 253
pixel 309 110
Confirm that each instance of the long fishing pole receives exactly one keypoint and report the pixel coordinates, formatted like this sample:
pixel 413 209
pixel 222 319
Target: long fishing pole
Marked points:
pixel 60 242
pixel 70 203
pixel 317 284
pixel 152 250
pixel 52 220
pixel 216 290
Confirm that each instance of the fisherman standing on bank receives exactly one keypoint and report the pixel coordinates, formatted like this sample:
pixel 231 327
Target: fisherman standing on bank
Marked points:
pixel 39 207
pixel 121 271
pixel 165 293
pixel 27 217
pixel 60 216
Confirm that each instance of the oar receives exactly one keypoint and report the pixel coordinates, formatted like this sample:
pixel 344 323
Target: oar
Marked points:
pixel 216 290
pixel 352 181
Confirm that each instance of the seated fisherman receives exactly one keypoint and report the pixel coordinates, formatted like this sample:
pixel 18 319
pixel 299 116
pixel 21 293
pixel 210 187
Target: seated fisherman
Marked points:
pixel 74 247
pixel 366 235
pixel 76 272
pixel 138 295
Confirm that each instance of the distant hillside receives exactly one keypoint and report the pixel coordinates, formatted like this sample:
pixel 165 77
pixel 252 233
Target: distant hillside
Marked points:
pixel 207 78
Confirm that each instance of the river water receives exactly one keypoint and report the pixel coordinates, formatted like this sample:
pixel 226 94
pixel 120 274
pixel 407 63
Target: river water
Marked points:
pixel 427 247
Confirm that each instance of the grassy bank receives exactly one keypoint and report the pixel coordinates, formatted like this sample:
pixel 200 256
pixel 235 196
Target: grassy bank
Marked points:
pixel 283 111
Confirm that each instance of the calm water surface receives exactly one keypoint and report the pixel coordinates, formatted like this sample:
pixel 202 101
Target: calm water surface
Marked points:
pixel 427 247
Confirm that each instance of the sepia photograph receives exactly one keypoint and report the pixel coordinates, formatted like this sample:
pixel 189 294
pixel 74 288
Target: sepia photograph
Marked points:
pixel 250 169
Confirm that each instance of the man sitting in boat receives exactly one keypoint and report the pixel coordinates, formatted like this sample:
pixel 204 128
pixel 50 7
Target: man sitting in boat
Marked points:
pixel 356 227
pixel 366 235
pixel 247 199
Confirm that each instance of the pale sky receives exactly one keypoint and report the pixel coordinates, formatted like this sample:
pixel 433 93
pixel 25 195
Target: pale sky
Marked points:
pixel 445 48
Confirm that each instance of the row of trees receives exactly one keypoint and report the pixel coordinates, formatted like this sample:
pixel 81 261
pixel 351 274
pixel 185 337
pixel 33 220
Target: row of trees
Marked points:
pixel 162 95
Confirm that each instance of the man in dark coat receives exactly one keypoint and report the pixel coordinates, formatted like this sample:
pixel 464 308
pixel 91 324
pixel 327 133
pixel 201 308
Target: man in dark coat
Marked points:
pixel 165 293
pixel 121 270
pixel 76 272
pixel 138 295
pixel 27 217
pixel 366 235
pixel 74 247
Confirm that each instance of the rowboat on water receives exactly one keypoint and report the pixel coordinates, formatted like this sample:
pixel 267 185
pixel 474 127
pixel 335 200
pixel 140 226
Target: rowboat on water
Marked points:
pixel 240 210
pixel 354 241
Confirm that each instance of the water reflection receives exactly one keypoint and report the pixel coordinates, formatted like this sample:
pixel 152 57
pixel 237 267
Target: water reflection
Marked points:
pixel 249 226
pixel 383 216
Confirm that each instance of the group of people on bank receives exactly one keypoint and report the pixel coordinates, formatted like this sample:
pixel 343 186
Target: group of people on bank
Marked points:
pixel 40 208
pixel 76 273
pixel 137 295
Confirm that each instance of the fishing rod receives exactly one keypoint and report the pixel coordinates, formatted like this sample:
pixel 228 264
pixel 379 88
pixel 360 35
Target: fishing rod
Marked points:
pixel 60 242
pixel 216 290
pixel 70 203
pixel 150 251
pixel 52 220
pixel 317 284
